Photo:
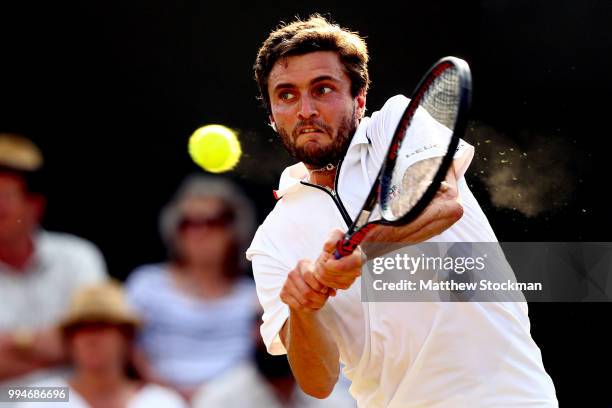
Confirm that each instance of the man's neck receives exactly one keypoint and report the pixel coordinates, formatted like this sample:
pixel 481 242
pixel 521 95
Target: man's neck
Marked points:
pixel 17 252
pixel 322 176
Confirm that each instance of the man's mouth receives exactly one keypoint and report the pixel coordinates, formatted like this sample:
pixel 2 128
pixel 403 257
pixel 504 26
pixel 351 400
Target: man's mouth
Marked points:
pixel 308 130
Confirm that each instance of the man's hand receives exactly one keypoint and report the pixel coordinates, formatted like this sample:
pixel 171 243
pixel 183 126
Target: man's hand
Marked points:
pixel 43 348
pixel 48 347
pixel 337 273
pixel 302 291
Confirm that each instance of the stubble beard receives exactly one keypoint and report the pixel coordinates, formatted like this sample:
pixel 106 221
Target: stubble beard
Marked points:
pixel 322 155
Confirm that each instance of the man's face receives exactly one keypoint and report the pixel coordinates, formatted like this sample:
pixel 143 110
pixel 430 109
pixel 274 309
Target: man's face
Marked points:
pixel 312 106
pixel 18 212
pixel 205 233
pixel 98 347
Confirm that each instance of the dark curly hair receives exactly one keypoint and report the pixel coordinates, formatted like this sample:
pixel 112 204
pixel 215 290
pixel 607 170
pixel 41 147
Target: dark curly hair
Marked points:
pixel 315 34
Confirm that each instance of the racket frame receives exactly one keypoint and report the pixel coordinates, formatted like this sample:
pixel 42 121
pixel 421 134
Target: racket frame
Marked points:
pixel 362 226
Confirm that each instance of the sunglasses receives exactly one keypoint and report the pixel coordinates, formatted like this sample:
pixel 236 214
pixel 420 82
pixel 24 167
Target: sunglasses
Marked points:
pixel 217 221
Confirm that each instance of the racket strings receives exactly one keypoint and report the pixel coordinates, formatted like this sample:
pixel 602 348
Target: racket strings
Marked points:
pixel 408 185
pixel 441 100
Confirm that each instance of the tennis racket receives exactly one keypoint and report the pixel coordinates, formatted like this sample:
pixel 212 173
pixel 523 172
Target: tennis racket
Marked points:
pixel 406 183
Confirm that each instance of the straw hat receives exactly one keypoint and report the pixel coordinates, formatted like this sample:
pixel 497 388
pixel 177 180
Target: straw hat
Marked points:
pixel 102 303
pixel 19 153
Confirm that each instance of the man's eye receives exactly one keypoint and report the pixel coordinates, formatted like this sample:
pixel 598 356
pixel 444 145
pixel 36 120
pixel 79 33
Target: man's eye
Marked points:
pixel 324 90
pixel 286 96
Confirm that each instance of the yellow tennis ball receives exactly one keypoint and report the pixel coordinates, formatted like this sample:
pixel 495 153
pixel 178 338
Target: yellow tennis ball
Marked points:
pixel 215 148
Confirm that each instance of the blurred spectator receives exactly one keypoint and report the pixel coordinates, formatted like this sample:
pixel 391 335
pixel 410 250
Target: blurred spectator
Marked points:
pixel 197 308
pixel 39 270
pixel 265 381
pixel 98 333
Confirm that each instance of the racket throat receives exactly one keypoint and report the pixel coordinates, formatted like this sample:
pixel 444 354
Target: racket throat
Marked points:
pixel 363 218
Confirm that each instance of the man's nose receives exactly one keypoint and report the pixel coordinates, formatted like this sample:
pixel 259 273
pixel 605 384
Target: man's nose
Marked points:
pixel 308 108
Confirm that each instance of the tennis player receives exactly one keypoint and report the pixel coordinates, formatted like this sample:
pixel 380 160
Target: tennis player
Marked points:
pixel 313 80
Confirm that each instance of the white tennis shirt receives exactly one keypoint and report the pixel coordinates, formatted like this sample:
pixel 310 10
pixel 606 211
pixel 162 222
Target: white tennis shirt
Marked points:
pixel 399 354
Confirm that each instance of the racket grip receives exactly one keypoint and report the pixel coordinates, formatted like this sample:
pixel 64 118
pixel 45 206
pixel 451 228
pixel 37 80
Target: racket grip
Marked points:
pixel 341 249
pixel 349 243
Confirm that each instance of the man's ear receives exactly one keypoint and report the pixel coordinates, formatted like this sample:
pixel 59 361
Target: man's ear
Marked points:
pixel 360 108
pixel 272 123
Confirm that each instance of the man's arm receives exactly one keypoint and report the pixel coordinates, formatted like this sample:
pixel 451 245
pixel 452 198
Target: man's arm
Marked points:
pixel 13 363
pixel 311 350
pixel 43 348
pixel 312 353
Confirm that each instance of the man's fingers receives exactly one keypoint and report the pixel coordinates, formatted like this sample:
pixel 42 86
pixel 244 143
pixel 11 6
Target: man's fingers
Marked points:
pixel 297 295
pixel 306 270
pixel 292 301
pixel 330 245
pixel 314 284
pixel 338 273
pixel 288 297
pixel 350 264
pixel 336 279
pixel 307 294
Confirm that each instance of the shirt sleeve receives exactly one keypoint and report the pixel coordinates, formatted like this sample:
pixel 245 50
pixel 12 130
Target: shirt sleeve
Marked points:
pixel 426 138
pixel 140 288
pixel 85 262
pixel 93 264
pixel 270 273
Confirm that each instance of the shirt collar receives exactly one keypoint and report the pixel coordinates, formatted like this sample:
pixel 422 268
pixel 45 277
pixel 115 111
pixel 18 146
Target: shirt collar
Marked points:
pixel 292 176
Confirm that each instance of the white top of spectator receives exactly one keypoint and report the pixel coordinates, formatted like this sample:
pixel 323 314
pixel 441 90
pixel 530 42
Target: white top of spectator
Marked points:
pixel 149 396
pixel 187 340
pixel 39 296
